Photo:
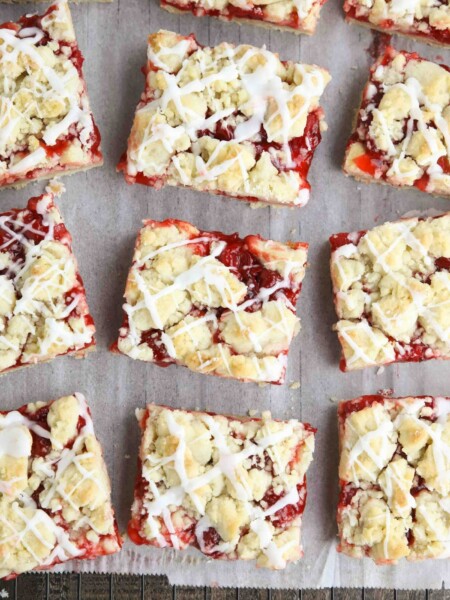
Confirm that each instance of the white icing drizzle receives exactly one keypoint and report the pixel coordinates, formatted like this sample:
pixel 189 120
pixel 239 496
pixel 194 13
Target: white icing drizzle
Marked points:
pixel 14 442
pixel 43 83
pixel 428 416
pixel 39 291
pixel 164 501
pixel 212 275
pixel 363 447
pixel 424 116
pixel 265 89
pixel 427 310
pixel 53 466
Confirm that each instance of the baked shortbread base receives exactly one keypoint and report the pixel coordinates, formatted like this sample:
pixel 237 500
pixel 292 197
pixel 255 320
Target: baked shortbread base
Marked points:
pixel 394 474
pixel 215 303
pixel 251 137
pixel 43 308
pixel 391 288
pixel 48 128
pixel 393 141
pixel 232 487
pixel 306 26
pixel 56 495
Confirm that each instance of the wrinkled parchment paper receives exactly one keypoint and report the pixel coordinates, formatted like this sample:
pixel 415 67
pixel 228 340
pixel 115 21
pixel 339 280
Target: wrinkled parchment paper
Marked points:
pixel 103 214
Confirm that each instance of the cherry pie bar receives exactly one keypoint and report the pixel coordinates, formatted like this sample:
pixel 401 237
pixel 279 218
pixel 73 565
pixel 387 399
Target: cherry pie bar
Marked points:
pixel 402 129
pixel 55 497
pixel 296 16
pixel 394 476
pixel 427 21
pixel 232 487
pixel 212 302
pixel 231 120
pixel 43 309
pixel 392 292
pixel 46 124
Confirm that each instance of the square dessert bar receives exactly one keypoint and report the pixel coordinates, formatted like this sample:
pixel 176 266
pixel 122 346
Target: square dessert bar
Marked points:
pixel 394 476
pixel 43 309
pixel 212 302
pixel 231 120
pixel 296 16
pixel 427 21
pixel 46 124
pixel 55 496
pixel 402 128
pixel 232 487
pixel 392 292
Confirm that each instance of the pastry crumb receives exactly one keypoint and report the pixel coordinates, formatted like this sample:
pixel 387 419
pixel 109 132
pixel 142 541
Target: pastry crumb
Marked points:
pixel 55 187
pixel 294 385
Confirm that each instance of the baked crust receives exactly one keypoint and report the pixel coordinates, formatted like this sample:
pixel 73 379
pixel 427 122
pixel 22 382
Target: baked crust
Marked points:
pixel 43 308
pixel 46 123
pixel 394 476
pixel 402 125
pixel 55 496
pixel 233 487
pixel 391 289
pixel 427 21
pixel 206 121
pixel 283 15
pixel 214 303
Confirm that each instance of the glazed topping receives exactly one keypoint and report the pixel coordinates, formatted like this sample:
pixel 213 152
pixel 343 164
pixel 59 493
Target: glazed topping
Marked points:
pixel 232 119
pixel 237 486
pixel 392 292
pixel 44 109
pixel 54 490
pixel 43 310
pixel 403 132
pixel 427 18
pixel 301 15
pixel 395 477
pixel 214 303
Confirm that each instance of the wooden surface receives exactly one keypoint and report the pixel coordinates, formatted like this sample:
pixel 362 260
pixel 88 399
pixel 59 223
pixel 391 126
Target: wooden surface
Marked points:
pixel 133 587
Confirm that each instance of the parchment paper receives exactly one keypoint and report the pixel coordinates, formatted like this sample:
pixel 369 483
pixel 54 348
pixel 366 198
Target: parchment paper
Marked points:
pixel 103 214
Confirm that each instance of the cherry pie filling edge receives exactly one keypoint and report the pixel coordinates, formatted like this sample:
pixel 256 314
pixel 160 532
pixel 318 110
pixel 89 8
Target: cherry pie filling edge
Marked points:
pixel 374 163
pixel 35 219
pixel 53 151
pixel 288 515
pixel 243 263
pixel 347 490
pixel 302 148
pixel 412 351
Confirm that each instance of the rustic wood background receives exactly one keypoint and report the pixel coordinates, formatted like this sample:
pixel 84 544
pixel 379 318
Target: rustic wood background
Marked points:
pixel 71 586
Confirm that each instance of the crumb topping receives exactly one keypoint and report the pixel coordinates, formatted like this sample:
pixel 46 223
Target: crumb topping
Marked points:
pixel 392 292
pixel 54 489
pixel 43 310
pixel 402 134
pixel 395 478
pixel 233 488
pixel 45 118
pixel 214 303
pixel 229 119
pixel 428 19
